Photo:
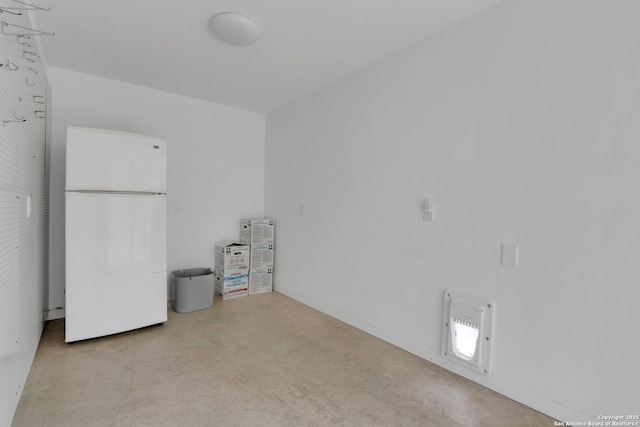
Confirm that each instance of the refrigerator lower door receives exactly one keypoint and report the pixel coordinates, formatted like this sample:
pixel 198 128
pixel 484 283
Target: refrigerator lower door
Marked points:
pixel 116 263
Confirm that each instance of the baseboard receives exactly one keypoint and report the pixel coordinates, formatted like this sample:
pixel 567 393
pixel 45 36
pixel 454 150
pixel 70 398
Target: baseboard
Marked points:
pixel 58 313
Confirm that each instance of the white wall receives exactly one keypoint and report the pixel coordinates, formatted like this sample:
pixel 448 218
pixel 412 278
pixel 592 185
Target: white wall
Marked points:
pixel 215 162
pixel 24 212
pixel 521 125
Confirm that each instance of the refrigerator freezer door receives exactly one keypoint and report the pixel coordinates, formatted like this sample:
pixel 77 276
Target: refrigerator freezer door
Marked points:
pixel 116 161
pixel 116 263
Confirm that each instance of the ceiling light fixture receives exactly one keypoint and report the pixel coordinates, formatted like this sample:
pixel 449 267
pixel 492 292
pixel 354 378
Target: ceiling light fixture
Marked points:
pixel 235 28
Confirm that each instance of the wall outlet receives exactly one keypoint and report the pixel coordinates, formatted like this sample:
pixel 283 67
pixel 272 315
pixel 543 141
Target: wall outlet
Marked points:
pixel 178 207
pixel 510 255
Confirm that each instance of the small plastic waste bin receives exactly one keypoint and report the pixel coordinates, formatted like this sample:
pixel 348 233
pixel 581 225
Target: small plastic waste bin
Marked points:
pixel 194 289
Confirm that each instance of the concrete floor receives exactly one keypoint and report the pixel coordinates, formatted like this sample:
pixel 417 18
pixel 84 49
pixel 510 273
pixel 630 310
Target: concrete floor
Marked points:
pixel 263 360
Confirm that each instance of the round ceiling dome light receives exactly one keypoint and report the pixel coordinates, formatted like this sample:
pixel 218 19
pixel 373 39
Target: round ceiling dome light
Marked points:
pixel 235 28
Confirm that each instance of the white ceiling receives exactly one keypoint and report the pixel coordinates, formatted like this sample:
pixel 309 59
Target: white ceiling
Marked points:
pixel 304 44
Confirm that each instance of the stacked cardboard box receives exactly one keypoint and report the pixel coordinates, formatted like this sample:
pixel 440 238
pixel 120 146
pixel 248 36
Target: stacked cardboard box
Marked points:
pixel 256 231
pixel 231 269
pixel 231 286
pixel 259 233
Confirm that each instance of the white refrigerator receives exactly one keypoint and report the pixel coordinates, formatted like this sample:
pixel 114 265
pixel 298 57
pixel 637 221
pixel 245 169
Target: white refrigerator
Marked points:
pixel 115 232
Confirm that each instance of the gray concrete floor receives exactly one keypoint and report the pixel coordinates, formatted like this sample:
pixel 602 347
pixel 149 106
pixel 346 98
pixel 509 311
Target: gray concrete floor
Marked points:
pixel 262 360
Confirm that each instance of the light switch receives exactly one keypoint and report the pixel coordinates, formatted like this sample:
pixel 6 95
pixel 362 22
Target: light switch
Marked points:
pixel 302 209
pixel 510 255
pixel 428 214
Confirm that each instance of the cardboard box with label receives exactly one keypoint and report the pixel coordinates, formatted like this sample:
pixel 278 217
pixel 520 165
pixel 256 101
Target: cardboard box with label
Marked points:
pixel 256 231
pixel 232 257
pixel 231 286
pixel 261 256
pixel 260 281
